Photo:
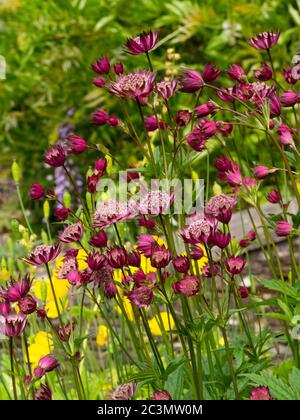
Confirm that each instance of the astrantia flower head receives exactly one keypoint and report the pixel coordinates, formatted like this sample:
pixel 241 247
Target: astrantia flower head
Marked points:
pixel 188 286
pixel 181 264
pixel 5 308
pixel 199 230
pixel 69 264
pixel 283 228
pixel 134 259
pixel 27 304
pixel 16 290
pixel 274 197
pixel 142 43
pixel 285 135
pixel 96 260
pixel 43 254
pixel 145 244
pixel 99 240
pixel 71 233
pixel 61 214
pixel 210 73
pixel 209 108
pixel 43 393
pixel 155 202
pixel 220 239
pixel 264 40
pixel 220 207
pixel 117 257
pixel 45 364
pixel 141 297
pixel 264 73
pixel 183 117
pixel 36 191
pixel 166 89
pixel 137 85
pixel 288 75
pixel 100 117
pixel 76 144
pixel 235 265
pixel 12 325
pixel 124 391
pixel 198 137
pixel 55 157
pixel 236 72
pixel 289 98
pixel 190 81
pixel 260 393
pixel 102 65
pixel 160 256
pixel 113 211
pixel 110 290
pixel 161 394
pixel 243 292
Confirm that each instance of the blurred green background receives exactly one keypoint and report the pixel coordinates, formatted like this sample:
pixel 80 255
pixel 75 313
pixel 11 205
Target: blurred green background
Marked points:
pixel 49 47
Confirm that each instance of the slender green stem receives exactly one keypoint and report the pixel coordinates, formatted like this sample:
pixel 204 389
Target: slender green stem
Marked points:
pixel 11 355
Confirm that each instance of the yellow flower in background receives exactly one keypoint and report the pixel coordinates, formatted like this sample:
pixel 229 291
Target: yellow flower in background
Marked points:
pixel 41 346
pixel 127 307
pixel 102 336
pixel 4 275
pixel 43 291
pixel 221 342
pixel 156 323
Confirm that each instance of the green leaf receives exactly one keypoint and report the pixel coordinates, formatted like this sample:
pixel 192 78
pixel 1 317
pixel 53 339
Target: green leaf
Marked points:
pixel 294 380
pixel 279 286
pixel 278 388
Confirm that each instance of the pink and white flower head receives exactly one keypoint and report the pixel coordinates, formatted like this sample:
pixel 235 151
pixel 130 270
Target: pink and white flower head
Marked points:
pixel 155 202
pixel 103 276
pixel 210 73
pixel 160 256
pixel 264 73
pixel 288 75
pixel 113 211
pixel 55 157
pixel 210 270
pixel 45 364
pixel 285 135
pixel 71 233
pixel 69 264
pixel 188 286
pixel 27 305
pixel 166 89
pixel 181 264
pixel 16 290
pixel 117 257
pixel 124 392
pixel 190 81
pixel 161 394
pixel 43 254
pixel 183 117
pixel 220 207
pixel 260 393
pixel 96 260
pixel 264 40
pixel 137 85
pixel 12 325
pixel 198 231
pixel 43 393
pixel 226 94
pixel 141 43
pixel 235 265
pixel 283 228
pixel 145 244
pixel 141 297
